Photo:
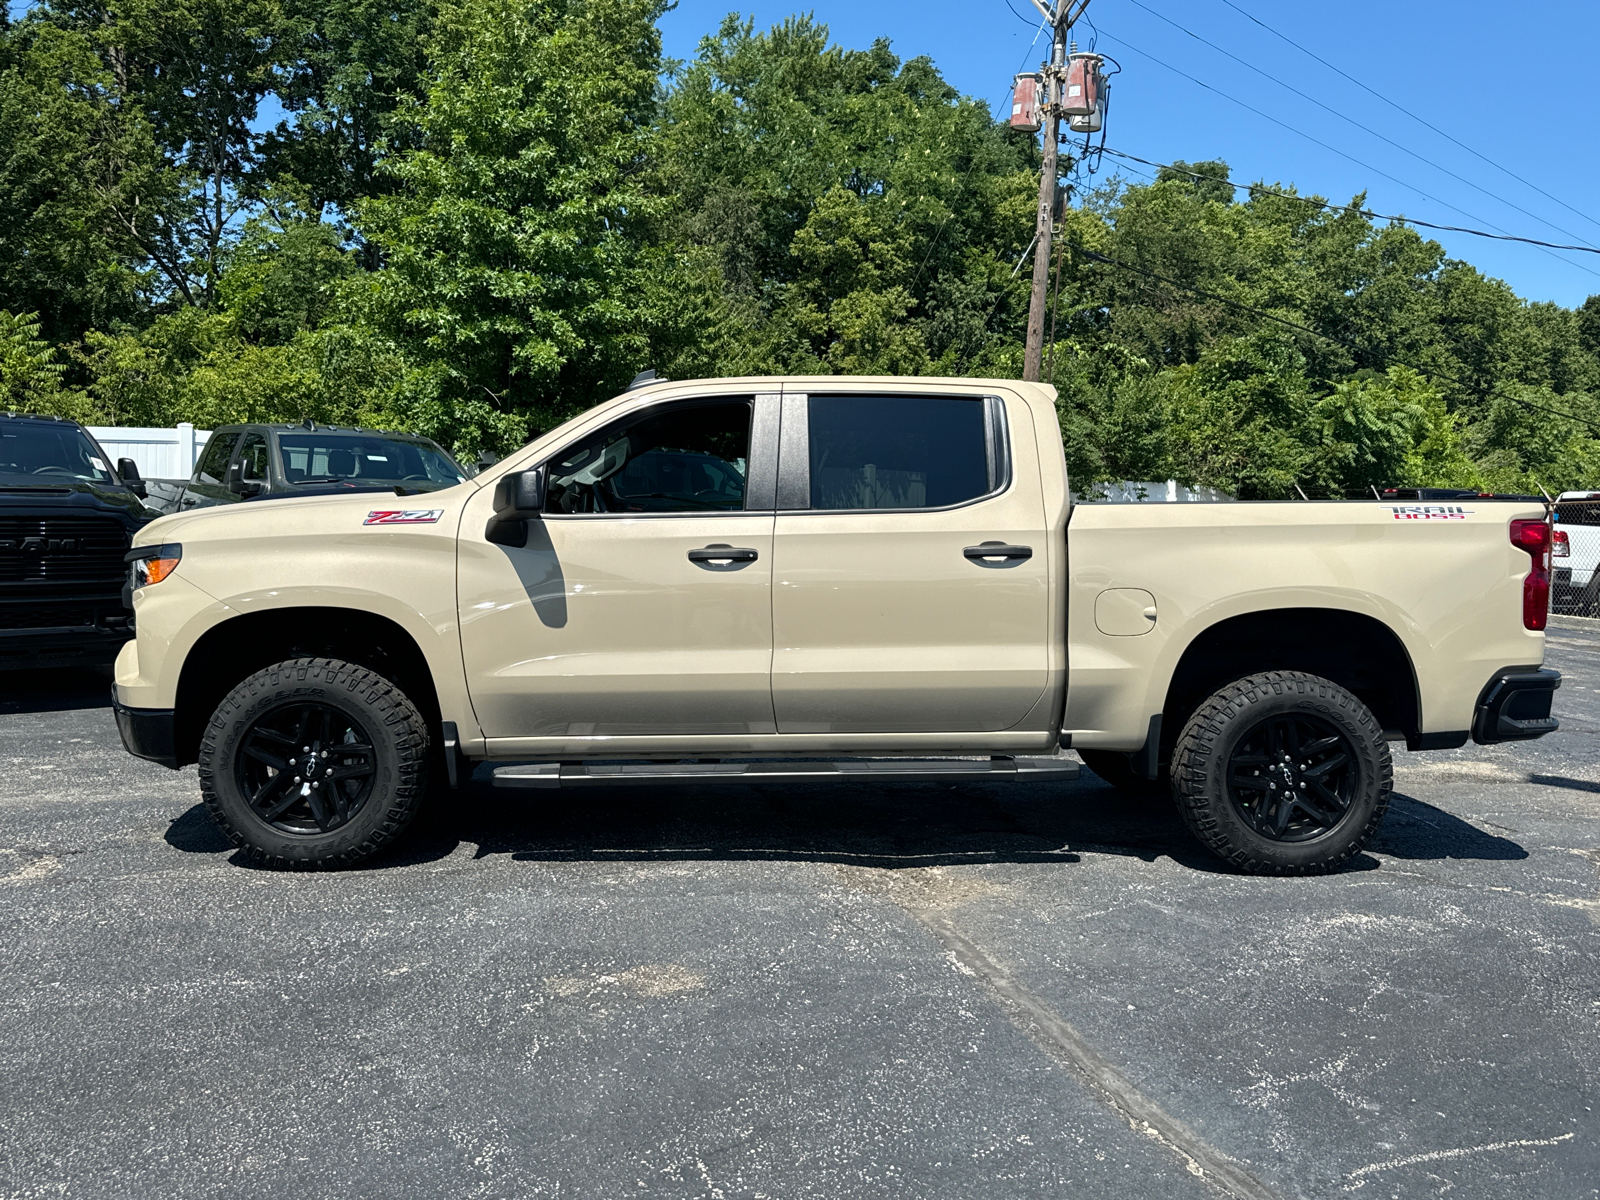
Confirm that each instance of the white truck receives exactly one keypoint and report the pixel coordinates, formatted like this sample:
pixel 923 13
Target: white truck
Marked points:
pixel 746 580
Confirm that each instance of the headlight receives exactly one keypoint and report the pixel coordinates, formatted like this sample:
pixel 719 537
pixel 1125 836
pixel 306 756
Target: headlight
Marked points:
pixel 152 564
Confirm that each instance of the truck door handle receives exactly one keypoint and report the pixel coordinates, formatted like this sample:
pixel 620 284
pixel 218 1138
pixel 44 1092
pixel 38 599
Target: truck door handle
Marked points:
pixel 721 555
pixel 997 550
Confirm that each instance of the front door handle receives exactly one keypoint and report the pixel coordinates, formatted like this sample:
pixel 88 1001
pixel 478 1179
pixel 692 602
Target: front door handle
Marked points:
pixel 998 550
pixel 721 555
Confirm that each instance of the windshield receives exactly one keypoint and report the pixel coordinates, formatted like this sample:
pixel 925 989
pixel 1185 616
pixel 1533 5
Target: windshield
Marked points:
pixel 50 452
pixel 314 458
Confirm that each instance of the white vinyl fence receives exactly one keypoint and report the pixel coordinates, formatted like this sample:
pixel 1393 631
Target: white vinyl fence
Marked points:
pixel 158 453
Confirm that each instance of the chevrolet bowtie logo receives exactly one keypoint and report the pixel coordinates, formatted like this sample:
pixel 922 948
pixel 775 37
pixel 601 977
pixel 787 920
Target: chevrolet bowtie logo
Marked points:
pixel 41 545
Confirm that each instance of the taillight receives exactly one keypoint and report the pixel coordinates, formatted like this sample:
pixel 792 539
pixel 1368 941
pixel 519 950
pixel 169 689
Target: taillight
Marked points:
pixel 1535 538
pixel 1563 545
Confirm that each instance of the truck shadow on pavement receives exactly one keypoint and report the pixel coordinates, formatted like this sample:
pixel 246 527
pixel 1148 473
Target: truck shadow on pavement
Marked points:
pixel 58 689
pixel 887 826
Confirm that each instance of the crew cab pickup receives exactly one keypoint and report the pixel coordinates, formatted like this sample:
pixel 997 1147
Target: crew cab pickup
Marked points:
pixel 270 462
pixel 809 579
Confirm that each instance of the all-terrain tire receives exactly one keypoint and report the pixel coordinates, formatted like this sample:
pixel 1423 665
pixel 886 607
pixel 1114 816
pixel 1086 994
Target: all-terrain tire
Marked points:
pixel 1218 729
pixel 395 786
pixel 1114 768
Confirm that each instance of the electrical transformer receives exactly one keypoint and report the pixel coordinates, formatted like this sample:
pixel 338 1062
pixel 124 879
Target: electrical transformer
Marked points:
pixel 1027 97
pixel 1085 85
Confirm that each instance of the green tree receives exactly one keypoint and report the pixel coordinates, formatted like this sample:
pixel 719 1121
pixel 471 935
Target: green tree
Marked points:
pixel 513 242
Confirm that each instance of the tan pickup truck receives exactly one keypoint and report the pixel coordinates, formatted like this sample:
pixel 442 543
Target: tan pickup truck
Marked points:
pixel 763 580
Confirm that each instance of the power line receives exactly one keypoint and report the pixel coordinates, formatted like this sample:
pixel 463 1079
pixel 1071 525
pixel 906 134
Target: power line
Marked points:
pixel 1352 121
pixel 1256 188
pixel 1095 256
pixel 1369 89
pixel 1334 149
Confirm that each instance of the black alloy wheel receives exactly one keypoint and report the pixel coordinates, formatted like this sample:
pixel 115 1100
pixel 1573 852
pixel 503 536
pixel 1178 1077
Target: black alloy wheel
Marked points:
pixel 306 768
pixel 314 763
pixel 1282 773
pixel 1291 777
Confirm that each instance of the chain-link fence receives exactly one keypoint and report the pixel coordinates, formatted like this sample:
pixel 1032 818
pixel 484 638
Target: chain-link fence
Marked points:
pixel 1575 557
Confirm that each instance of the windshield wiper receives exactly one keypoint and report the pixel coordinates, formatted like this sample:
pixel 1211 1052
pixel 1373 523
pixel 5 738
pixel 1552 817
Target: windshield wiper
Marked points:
pixel 322 478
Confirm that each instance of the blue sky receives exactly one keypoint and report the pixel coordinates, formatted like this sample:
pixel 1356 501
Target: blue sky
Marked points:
pixel 1519 93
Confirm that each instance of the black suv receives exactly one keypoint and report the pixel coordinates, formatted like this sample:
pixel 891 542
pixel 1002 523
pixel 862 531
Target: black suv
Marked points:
pixel 265 462
pixel 66 522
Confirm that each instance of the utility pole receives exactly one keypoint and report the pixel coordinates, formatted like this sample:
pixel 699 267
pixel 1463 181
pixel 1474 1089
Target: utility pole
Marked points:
pixel 1061 17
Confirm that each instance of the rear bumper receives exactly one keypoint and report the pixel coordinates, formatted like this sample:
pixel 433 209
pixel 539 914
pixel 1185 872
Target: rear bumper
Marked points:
pixel 147 733
pixel 1515 706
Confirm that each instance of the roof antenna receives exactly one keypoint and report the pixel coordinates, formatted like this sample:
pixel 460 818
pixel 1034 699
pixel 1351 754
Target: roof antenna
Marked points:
pixel 1302 492
pixel 643 378
pixel 309 424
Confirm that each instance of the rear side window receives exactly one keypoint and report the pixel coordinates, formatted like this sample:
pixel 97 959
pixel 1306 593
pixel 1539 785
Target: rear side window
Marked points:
pixel 897 451
pixel 214 463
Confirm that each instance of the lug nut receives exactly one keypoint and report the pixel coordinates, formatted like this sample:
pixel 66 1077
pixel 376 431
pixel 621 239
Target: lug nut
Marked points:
pixel 329 771
pixel 297 779
pixel 316 785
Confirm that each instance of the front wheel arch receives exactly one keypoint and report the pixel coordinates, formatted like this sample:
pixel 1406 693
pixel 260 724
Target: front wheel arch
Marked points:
pixel 233 650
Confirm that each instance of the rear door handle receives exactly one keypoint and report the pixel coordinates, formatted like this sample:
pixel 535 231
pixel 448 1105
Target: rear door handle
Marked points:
pixel 721 555
pixel 997 550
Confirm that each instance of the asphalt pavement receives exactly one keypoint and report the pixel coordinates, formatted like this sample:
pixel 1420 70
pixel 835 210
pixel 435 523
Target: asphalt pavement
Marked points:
pixel 909 990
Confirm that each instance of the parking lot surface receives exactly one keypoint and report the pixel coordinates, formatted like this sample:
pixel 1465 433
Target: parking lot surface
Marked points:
pixel 779 991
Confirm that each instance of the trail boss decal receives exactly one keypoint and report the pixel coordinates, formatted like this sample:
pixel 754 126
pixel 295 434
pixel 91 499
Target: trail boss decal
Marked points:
pixel 1430 512
pixel 410 516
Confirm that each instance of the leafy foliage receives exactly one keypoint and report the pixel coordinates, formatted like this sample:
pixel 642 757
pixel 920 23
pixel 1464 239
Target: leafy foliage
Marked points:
pixel 473 218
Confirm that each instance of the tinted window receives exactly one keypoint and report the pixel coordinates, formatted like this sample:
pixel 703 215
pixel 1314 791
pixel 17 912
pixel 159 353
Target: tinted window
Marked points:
pixel 331 458
pixel 253 458
pixel 214 462
pixel 684 458
pixel 46 451
pixel 896 451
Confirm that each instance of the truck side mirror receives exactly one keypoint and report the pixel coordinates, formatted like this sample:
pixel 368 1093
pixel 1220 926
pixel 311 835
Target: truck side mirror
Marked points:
pixel 240 483
pixel 128 471
pixel 518 499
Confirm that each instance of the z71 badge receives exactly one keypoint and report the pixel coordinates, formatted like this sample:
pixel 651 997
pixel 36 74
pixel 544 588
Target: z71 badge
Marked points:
pixel 410 516
pixel 1430 512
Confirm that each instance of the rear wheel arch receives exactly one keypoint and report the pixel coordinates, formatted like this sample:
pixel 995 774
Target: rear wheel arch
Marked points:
pixel 1356 651
pixel 233 650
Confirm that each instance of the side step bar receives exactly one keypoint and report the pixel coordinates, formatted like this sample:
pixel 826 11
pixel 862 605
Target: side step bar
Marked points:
pixel 889 770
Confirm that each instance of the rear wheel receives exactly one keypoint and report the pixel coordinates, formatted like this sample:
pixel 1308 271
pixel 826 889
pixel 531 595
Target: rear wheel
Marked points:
pixel 1283 773
pixel 314 763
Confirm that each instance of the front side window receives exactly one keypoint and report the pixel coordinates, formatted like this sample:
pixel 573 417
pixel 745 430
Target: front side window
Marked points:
pixel 897 451
pixel 253 458
pixel 214 462
pixel 679 458
pixel 50 451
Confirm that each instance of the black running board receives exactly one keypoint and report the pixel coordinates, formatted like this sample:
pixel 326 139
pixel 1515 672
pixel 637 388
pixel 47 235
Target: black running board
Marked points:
pixel 887 770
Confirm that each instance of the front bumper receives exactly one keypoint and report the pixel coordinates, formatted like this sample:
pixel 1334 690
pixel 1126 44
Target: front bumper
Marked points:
pixel 1515 706
pixel 148 733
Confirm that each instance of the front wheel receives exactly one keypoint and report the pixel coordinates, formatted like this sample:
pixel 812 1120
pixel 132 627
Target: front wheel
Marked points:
pixel 314 763
pixel 1283 773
